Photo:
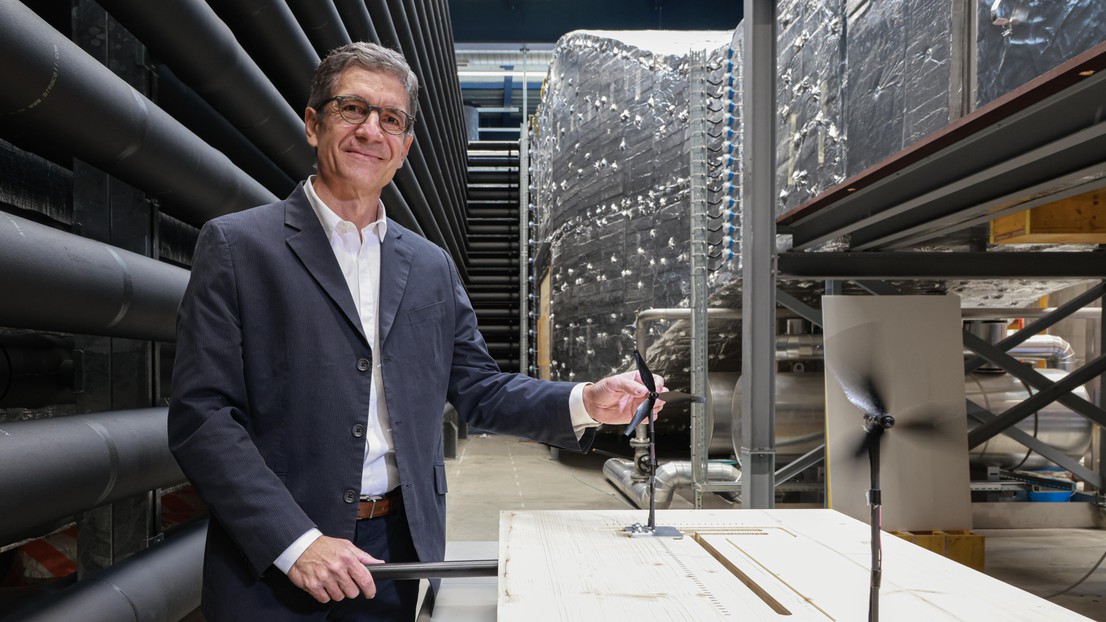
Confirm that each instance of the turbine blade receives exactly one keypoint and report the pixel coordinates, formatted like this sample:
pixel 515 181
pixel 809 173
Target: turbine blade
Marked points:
pixel 643 371
pixel 676 397
pixel 642 411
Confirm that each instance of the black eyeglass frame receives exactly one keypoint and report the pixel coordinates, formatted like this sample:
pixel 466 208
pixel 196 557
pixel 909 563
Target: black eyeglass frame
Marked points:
pixel 407 117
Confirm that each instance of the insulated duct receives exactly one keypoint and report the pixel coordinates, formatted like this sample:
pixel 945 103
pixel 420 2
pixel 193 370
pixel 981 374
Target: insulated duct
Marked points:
pixel 414 179
pixel 670 477
pixel 269 32
pixel 321 23
pixel 159 584
pixel 63 465
pixel 190 38
pixel 62 282
pixel 56 93
pixel 186 106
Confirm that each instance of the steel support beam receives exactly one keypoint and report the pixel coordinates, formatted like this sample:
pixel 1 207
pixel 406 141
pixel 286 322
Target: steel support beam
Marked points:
pixel 918 265
pixel 1048 391
pixel 807 312
pixel 700 222
pixel 982 415
pixel 802 463
pixel 1042 324
pixel 758 257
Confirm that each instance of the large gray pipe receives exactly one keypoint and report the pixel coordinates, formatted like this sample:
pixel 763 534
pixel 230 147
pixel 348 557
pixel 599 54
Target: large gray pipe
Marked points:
pixel 670 477
pixel 58 281
pixel 433 175
pixel 190 38
pixel 193 111
pixel 322 24
pixel 57 94
pixel 160 584
pixel 269 32
pixel 57 467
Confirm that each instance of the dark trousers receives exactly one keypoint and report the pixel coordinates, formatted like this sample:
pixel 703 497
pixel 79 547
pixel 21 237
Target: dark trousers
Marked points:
pixel 389 539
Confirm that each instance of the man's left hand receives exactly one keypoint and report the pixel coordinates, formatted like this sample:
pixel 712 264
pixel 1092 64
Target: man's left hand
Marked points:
pixel 615 399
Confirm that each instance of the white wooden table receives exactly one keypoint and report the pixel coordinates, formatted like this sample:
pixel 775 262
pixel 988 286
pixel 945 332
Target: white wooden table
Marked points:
pixel 744 565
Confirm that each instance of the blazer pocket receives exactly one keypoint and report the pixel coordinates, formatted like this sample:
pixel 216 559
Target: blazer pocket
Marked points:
pixel 426 313
pixel 439 478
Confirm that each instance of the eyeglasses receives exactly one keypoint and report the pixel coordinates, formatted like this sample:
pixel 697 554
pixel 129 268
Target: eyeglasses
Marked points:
pixel 355 111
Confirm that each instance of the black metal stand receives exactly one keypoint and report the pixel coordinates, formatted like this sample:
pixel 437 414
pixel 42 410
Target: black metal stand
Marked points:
pixel 875 503
pixel 637 530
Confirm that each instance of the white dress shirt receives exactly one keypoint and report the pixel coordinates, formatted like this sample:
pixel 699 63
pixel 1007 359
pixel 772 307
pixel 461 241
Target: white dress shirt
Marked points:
pixel 358 255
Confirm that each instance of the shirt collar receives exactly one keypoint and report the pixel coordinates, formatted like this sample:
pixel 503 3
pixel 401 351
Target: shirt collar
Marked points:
pixel 330 220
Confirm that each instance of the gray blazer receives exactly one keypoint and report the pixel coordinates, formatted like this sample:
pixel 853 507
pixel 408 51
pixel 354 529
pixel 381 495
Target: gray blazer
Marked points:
pixel 271 391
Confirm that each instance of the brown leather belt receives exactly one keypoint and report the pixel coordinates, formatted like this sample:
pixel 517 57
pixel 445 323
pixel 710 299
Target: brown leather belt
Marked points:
pixel 375 507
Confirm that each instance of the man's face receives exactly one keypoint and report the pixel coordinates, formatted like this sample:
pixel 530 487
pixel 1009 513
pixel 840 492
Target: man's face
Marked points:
pixel 355 160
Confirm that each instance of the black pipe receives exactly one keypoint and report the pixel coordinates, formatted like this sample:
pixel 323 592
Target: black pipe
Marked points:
pixel 435 175
pixel 409 177
pixel 63 465
pixel 398 209
pixel 269 32
pixel 190 38
pixel 159 584
pixel 452 155
pixel 356 18
pixel 416 55
pixel 56 93
pixel 37 371
pixel 186 106
pixel 440 10
pixel 322 24
pixel 62 282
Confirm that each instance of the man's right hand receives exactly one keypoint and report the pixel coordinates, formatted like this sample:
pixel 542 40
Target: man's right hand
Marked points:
pixel 333 569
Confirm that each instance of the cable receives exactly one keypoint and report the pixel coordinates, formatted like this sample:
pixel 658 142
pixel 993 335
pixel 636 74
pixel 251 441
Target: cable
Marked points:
pixel 1076 584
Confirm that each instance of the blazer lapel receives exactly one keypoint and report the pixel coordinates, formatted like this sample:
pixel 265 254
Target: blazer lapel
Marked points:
pixel 307 240
pixel 395 264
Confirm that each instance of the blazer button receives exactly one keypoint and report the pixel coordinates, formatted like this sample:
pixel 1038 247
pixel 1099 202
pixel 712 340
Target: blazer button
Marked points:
pixel 350 496
pixel 363 364
pixel 358 430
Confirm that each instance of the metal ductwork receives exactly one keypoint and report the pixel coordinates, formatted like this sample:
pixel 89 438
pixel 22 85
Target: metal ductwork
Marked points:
pixel 670 477
pixel 321 23
pixel 269 32
pixel 62 282
pixel 60 466
pixel 190 38
pixel 55 92
pixel 161 583
pixel 197 115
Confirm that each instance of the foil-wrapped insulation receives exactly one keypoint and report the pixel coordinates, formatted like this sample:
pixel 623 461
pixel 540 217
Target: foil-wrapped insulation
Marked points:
pixel 810 100
pixel 610 188
pixel 899 77
pixel 1018 40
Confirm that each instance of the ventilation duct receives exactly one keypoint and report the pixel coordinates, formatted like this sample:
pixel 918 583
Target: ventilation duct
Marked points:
pixel 56 93
pixel 57 467
pixel 57 281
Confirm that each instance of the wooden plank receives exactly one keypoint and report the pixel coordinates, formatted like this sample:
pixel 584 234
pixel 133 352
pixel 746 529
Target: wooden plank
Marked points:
pixel 760 565
pixel 1077 220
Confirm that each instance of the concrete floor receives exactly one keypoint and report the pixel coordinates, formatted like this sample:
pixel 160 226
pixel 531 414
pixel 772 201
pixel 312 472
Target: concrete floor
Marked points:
pixel 495 473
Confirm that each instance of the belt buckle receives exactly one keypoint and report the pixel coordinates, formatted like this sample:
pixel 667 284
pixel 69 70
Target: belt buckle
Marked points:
pixel 374 500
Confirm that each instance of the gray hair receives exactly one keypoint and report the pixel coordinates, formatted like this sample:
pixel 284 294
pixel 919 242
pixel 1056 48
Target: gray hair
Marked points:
pixel 368 56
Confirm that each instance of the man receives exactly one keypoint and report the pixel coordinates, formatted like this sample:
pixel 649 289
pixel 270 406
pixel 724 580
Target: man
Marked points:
pixel 317 345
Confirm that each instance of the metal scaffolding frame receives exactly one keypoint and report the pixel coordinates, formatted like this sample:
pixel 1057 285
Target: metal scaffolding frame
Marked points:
pixel 971 172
